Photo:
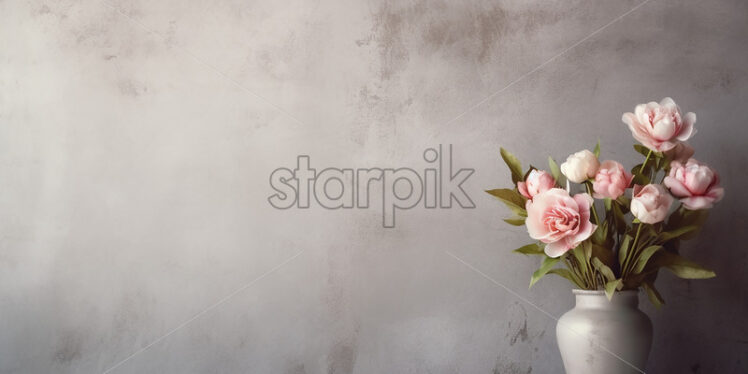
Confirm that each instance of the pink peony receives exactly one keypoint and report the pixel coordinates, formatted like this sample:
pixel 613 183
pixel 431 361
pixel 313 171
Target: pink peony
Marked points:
pixel 650 204
pixel 559 220
pixel 537 181
pixel 695 184
pixel 660 126
pixel 611 180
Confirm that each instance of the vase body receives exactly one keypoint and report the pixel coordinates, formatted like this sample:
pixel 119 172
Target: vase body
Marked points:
pixel 600 336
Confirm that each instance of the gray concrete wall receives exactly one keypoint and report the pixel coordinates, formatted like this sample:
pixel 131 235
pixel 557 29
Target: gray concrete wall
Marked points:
pixel 137 139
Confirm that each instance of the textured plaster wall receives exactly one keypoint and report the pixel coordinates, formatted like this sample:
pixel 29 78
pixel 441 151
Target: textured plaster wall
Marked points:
pixel 137 138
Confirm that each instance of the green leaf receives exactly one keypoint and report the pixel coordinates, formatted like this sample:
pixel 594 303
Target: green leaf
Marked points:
pixel 644 257
pixel 514 165
pixel 556 172
pixel 553 166
pixel 546 266
pixel 681 267
pixel 600 235
pixel 684 217
pixel 578 253
pixel 619 218
pixel 565 273
pixel 624 202
pixel 511 198
pixel 640 179
pixel 665 164
pixel 597 149
pixel 623 249
pixel 604 254
pixel 530 249
pixel 642 176
pixel 653 295
pixel 641 149
pixel 587 248
pixel 611 287
pixel 691 270
pixel 668 235
pixel 603 269
pixel 515 221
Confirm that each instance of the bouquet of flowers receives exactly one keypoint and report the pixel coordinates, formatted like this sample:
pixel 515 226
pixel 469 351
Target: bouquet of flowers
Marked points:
pixel 607 238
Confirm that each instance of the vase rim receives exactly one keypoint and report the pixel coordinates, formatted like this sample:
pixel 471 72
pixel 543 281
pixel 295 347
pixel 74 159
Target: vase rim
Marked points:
pixel 578 291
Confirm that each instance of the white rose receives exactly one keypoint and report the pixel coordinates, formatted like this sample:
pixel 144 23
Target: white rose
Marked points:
pixel 580 166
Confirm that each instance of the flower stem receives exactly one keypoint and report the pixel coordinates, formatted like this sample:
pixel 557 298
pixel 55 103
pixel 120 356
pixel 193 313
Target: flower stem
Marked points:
pixel 633 247
pixel 579 281
pixel 592 206
pixel 645 161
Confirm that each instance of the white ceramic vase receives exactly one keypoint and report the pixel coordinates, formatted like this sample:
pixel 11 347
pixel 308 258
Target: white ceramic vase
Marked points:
pixel 601 336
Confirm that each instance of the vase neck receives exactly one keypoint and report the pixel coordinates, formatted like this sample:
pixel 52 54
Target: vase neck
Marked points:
pixel 598 300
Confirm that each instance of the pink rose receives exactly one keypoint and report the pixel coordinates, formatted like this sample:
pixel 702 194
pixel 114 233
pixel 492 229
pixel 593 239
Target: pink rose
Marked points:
pixel 660 126
pixel 695 184
pixel 611 180
pixel 681 152
pixel 559 220
pixel 537 181
pixel 650 203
